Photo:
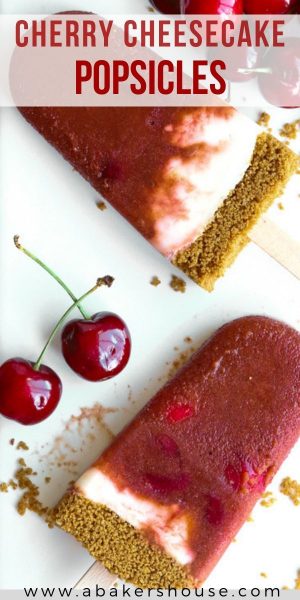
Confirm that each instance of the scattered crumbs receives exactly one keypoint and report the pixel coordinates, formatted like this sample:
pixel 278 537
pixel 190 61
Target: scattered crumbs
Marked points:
pixel 12 441
pixel 22 446
pixel 250 519
pixel 30 497
pixel 280 206
pixel 179 361
pixel 234 540
pixel 101 205
pixel 21 462
pixel 177 284
pixel 264 119
pixel 290 130
pixel 188 339
pixel 264 575
pixel 285 587
pixel 4 488
pixel 47 479
pixel 268 500
pixel 150 9
pixel 155 281
pixel 291 488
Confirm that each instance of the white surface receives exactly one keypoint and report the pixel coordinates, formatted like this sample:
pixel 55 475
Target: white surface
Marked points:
pixel 53 209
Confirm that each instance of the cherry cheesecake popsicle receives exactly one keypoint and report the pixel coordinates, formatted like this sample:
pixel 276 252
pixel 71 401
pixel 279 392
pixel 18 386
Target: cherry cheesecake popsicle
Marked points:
pixel 192 181
pixel 163 502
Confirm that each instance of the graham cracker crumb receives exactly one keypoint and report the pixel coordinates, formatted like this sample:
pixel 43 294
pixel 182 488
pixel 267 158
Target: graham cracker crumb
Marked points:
pixel 101 205
pixel 179 361
pixel 264 575
pixel 4 488
pixel 12 441
pixel 290 130
pixel 268 500
pixel 22 446
pixel 264 119
pixel 155 281
pixel 291 488
pixel 177 284
pixel 280 206
pixel 208 257
pixel 116 544
pixel 47 479
pixel 188 339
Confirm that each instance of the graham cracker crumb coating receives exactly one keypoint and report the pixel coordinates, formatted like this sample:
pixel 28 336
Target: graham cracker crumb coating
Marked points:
pixel 207 259
pixel 123 550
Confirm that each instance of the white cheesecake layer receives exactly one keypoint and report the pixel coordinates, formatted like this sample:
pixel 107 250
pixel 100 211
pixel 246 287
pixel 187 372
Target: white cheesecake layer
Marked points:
pixel 199 183
pixel 167 523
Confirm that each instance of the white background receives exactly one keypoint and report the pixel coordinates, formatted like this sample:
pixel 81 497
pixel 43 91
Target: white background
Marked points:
pixel 54 211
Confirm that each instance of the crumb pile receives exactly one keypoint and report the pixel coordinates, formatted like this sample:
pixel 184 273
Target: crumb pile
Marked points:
pixel 155 281
pixel 177 284
pixel 291 488
pixel 264 119
pixel 268 499
pixel 290 130
pixel 101 205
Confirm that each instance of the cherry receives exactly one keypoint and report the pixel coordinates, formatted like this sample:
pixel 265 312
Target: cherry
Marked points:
pixel 214 510
pixel 179 412
pixel 246 478
pixel 212 7
pixel 240 62
pixel 279 80
pixel 271 7
pixel 164 484
pixel 167 444
pixel 28 395
pixel 30 391
pixel 168 7
pixel 97 348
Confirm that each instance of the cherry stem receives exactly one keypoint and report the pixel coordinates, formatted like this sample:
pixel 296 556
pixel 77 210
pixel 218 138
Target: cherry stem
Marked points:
pixel 107 280
pixel 52 273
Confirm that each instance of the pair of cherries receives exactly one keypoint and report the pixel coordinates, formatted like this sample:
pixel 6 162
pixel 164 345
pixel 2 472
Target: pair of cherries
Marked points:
pixel 96 348
pixel 227 7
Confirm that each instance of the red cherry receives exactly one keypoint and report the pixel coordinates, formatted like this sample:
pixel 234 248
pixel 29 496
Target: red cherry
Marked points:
pixel 239 62
pixel 164 485
pixel 280 83
pixel 246 478
pixel 270 7
pixel 214 511
pixel 212 7
pixel 179 412
pixel 96 348
pixel 168 7
pixel 167 444
pixel 28 395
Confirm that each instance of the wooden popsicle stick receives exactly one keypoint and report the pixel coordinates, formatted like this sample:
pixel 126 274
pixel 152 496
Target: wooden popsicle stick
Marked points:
pixel 96 574
pixel 278 244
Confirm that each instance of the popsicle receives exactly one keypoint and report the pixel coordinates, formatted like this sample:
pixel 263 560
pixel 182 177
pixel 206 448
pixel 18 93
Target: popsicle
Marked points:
pixel 163 502
pixel 192 181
